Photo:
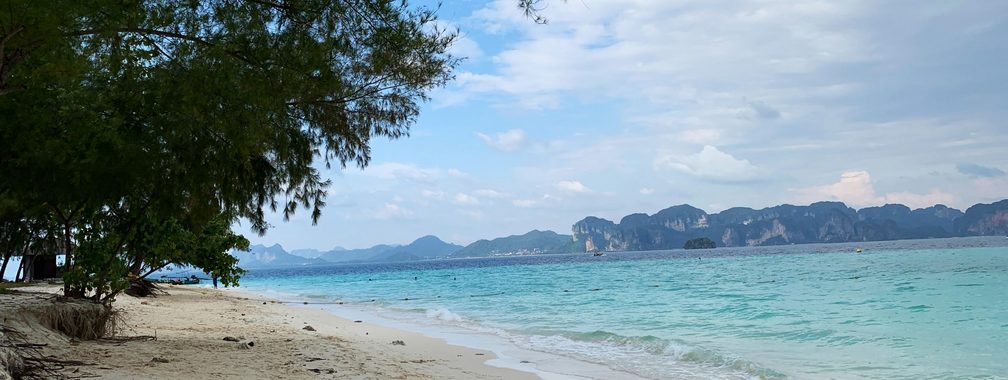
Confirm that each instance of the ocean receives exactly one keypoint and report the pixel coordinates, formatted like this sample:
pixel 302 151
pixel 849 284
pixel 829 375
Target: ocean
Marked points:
pixel 915 309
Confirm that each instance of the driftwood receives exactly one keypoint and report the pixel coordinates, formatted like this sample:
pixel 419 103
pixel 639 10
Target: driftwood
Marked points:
pixel 58 362
pixel 125 339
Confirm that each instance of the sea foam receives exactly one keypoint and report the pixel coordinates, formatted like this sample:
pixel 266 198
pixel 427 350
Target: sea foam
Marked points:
pixel 443 315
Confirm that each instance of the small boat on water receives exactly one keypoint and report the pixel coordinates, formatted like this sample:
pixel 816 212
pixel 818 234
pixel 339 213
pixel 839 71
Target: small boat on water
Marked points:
pixel 857 250
pixel 590 248
pixel 191 280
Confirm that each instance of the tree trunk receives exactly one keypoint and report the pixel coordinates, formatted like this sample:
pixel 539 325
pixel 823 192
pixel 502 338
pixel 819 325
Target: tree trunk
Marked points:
pixel 67 254
pixel 137 265
pixel 17 276
pixel 8 252
pixel 27 262
pixel 6 259
pixel 67 262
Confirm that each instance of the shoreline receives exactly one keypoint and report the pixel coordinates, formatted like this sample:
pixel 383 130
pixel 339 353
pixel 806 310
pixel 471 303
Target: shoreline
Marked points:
pixel 274 341
pixel 504 353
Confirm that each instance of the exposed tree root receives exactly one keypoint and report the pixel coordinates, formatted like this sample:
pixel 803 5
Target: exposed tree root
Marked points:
pixel 139 287
pixel 79 319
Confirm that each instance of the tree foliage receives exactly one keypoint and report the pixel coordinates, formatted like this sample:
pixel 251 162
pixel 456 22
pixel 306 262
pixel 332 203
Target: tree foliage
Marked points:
pixel 699 243
pixel 534 10
pixel 142 129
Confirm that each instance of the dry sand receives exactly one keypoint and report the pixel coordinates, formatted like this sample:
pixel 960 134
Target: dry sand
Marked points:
pixel 190 323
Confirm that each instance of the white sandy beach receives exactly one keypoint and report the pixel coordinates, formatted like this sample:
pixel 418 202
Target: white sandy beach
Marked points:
pixel 190 323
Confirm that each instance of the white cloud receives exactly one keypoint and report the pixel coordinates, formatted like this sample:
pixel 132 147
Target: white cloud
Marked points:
pixel 712 164
pixel 466 47
pixel 700 136
pixel 572 186
pixel 466 199
pixel 646 191
pixel 489 193
pixel 855 188
pixel 397 171
pixel 636 80
pixel 914 200
pixel 530 203
pixel 526 203
pixel 509 141
pixel 990 189
pixel 822 76
pixel 636 49
pixel 392 211
pixel 432 194
pixel 400 171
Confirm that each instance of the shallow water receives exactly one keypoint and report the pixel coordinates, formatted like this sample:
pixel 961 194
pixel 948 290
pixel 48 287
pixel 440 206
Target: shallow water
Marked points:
pixel 905 309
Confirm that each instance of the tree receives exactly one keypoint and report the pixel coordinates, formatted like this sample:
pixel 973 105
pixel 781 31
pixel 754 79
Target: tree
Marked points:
pixel 699 243
pixel 163 243
pixel 197 112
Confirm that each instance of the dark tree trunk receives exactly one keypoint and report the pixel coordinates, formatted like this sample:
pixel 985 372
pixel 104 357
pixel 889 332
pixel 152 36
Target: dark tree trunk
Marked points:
pixel 67 242
pixel 26 267
pixel 67 257
pixel 17 276
pixel 6 259
pixel 8 252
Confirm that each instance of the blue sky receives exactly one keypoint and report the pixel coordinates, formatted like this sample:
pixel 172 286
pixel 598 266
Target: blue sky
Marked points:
pixel 622 106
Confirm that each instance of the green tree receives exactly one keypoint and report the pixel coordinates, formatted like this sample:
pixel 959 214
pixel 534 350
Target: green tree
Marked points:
pixel 197 112
pixel 160 243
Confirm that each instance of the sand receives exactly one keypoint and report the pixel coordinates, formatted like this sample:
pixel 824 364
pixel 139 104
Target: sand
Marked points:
pixel 189 324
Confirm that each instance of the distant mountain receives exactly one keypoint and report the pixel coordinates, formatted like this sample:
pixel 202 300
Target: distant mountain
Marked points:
pixel 821 222
pixel 314 253
pixel 984 219
pixel 671 228
pixel 260 256
pixel 427 247
pixel 361 254
pixel 532 242
pixel 932 222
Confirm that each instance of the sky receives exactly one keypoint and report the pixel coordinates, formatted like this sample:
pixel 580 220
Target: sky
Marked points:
pixel 622 106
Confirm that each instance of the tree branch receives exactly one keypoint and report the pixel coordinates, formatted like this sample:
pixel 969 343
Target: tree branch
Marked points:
pixel 161 33
pixel 271 4
pixel 152 270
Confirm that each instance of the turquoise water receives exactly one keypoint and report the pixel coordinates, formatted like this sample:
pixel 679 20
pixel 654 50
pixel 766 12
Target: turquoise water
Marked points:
pixel 900 310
